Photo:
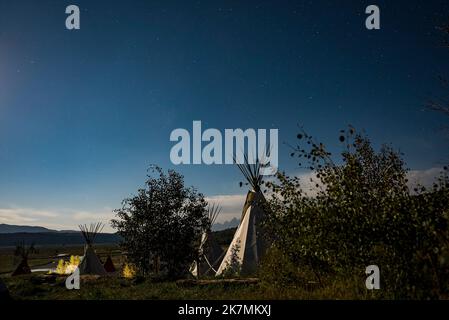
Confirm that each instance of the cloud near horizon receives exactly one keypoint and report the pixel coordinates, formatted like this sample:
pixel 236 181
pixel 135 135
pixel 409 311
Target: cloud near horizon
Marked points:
pixel 424 177
pixel 59 219
pixel 231 206
pixel 14 214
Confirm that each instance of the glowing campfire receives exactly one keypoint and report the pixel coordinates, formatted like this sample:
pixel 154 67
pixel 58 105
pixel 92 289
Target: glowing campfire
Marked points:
pixel 129 271
pixel 67 267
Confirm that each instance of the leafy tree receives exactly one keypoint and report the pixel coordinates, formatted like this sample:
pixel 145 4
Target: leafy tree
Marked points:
pixel 363 213
pixel 161 225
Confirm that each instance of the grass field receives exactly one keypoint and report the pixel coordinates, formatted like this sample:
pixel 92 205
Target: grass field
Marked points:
pixel 39 286
pixel 107 288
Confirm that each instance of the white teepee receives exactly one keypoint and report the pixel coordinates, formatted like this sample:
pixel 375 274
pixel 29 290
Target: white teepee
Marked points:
pixel 210 252
pixel 91 264
pixel 247 246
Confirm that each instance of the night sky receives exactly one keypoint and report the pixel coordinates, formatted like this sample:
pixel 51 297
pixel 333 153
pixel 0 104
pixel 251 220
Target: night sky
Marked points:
pixel 83 113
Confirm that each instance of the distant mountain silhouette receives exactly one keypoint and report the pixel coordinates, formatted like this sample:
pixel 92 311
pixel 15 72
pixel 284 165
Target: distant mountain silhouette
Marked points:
pixel 9 228
pixel 10 235
pixel 54 238
pixel 226 225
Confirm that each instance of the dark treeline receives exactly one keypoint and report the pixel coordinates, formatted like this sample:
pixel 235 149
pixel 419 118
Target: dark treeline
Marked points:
pixel 50 238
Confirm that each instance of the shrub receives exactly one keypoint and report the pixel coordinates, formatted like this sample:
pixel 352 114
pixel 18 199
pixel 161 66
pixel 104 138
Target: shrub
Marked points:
pixel 363 213
pixel 162 225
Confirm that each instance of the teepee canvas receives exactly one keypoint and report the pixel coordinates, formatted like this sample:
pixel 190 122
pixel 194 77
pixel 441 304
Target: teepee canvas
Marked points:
pixel 109 265
pixel 91 264
pixel 247 247
pixel 22 268
pixel 210 252
pixel 23 251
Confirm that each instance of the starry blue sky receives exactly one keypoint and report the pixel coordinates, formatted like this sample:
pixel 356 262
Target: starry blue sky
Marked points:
pixel 83 113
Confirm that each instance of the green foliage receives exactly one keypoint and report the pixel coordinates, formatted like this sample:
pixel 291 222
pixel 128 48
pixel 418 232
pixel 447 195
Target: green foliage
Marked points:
pixel 279 271
pixel 233 267
pixel 362 213
pixel 162 225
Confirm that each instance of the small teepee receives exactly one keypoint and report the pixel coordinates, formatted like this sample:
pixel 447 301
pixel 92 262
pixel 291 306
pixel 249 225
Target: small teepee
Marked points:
pixel 109 265
pixel 247 247
pixel 210 252
pixel 91 264
pixel 23 251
